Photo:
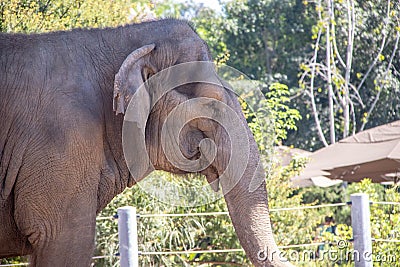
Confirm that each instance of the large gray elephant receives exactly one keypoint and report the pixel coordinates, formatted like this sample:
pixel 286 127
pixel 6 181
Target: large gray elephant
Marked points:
pixel 61 154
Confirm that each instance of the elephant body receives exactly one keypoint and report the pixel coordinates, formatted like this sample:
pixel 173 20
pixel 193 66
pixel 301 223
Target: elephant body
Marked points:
pixel 61 156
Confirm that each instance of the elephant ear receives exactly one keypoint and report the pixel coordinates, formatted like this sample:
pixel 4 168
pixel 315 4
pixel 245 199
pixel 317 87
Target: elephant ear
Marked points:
pixel 130 77
pixel 129 87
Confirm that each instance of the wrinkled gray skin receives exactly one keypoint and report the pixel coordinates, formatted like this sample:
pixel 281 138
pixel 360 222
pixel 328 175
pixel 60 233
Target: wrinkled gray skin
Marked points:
pixel 61 157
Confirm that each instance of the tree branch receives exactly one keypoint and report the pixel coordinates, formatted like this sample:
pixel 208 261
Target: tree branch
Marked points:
pixel 329 76
pixel 386 73
pixel 384 34
pixel 349 60
pixel 311 94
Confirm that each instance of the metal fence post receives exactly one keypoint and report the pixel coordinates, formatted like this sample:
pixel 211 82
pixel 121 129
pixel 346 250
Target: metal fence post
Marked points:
pixel 360 221
pixel 127 235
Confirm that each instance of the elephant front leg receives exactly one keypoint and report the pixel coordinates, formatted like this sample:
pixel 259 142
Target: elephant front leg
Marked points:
pixel 12 242
pixel 72 247
pixel 61 234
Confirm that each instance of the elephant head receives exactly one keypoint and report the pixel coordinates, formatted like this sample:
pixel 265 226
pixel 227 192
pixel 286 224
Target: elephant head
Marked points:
pixel 198 139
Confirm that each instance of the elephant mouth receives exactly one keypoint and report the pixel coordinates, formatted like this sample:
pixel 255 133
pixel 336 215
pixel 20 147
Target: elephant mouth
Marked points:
pixel 212 177
pixel 210 172
pixel 195 155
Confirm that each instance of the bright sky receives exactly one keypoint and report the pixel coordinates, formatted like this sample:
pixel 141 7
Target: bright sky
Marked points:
pixel 210 3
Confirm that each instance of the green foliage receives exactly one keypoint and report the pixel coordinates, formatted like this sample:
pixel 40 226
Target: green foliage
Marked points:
pixel 285 118
pixel 209 26
pixel 169 233
pixel 169 8
pixel 333 194
pixel 43 15
pixel 291 227
pixel 266 38
pixel 384 223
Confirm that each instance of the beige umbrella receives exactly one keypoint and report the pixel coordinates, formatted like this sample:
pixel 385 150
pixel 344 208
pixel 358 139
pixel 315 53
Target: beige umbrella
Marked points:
pixel 374 153
pixel 286 154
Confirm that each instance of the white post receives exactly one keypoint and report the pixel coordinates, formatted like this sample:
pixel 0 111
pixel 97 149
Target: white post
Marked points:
pixel 360 221
pixel 127 235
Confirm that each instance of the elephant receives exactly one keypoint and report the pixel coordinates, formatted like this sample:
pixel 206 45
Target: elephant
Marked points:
pixel 63 96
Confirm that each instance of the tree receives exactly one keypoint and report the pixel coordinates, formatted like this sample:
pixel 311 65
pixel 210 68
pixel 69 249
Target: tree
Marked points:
pixel 344 53
pixel 49 15
pixel 266 38
pixel 210 27
pixel 351 66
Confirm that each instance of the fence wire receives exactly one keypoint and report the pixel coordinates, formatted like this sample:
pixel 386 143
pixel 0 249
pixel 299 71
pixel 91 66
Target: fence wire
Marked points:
pixel 149 253
pixel 385 203
pixel 14 264
pixel 224 212
pixel 227 213
pixel 166 253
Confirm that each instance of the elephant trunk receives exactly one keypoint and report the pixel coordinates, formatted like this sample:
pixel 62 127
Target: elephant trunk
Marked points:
pixel 248 208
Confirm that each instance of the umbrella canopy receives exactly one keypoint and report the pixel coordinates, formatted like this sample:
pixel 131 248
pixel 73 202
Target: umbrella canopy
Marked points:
pixel 374 153
pixel 286 154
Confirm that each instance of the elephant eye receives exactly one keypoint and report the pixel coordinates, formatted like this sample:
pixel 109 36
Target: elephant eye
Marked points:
pixel 149 73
